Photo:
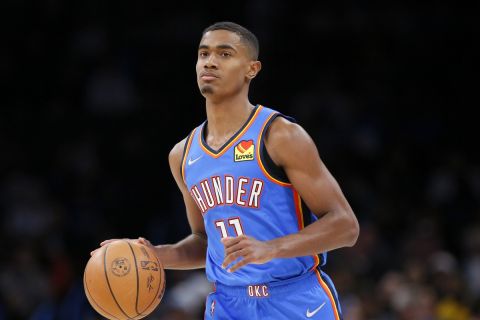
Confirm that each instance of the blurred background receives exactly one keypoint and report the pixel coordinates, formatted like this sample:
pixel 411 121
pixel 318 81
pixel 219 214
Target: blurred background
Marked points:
pixel 96 93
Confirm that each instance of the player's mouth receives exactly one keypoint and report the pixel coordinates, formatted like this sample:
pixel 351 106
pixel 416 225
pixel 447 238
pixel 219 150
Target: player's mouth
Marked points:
pixel 208 76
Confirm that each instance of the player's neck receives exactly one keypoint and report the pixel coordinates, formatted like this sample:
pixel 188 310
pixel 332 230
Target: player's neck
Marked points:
pixel 226 117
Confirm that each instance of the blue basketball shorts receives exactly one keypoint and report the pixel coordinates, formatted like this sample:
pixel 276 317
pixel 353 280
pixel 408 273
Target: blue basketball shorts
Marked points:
pixel 311 296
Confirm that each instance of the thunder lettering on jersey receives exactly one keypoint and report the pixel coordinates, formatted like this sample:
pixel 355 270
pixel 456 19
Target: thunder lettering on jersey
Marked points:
pixel 238 192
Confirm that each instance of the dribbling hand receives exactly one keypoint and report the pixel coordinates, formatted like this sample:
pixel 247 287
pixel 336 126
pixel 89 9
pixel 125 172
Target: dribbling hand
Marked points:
pixel 140 240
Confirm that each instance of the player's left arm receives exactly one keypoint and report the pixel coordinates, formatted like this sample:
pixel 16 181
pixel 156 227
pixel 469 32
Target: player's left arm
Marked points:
pixel 337 225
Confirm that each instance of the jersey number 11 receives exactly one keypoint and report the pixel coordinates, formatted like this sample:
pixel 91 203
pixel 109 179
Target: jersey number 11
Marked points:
pixel 234 224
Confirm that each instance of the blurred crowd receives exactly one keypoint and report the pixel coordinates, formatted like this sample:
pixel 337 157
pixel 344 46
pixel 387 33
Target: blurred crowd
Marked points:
pixel 96 94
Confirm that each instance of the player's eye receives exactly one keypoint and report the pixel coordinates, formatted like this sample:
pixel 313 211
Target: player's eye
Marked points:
pixel 226 54
pixel 203 54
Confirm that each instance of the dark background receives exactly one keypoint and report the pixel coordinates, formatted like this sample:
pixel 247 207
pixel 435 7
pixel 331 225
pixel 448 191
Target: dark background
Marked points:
pixel 96 93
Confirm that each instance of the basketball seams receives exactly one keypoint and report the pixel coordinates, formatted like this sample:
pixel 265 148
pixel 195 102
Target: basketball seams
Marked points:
pixel 109 286
pixel 109 290
pixel 91 299
pixel 162 274
pixel 138 280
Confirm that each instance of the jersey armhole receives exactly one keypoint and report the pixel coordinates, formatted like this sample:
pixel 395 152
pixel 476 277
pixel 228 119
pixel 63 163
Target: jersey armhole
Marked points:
pixel 186 148
pixel 271 168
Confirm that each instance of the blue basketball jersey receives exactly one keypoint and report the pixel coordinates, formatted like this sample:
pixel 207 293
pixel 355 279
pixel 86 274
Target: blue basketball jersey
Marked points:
pixel 239 190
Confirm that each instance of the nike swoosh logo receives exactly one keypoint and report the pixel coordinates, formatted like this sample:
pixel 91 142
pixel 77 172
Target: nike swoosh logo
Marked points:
pixel 190 161
pixel 314 312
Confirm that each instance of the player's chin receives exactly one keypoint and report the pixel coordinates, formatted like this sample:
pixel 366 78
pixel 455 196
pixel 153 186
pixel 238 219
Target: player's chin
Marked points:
pixel 206 89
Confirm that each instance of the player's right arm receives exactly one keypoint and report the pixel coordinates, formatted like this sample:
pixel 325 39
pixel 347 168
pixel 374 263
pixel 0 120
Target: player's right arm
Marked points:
pixel 190 252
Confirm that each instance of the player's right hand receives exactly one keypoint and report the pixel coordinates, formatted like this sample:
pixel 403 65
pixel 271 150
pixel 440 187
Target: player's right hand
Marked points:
pixel 140 240
pixel 105 243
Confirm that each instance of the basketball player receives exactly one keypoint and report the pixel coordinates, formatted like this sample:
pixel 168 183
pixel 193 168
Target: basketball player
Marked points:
pixel 263 208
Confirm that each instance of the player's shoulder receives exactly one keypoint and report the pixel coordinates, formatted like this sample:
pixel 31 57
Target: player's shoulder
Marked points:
pixel 176 153
pixel 286 140
pixel 178 147
pixel 283 130
pixel 175 156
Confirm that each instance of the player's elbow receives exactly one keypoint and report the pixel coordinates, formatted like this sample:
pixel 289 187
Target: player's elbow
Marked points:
pixel 352 230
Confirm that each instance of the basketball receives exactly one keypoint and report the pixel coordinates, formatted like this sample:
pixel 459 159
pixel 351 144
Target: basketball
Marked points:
pixel 124 280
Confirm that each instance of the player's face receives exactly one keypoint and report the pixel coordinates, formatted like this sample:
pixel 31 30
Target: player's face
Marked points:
pixel 224 65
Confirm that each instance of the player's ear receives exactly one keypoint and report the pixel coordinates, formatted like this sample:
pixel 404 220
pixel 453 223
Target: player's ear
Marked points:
pixel 253 69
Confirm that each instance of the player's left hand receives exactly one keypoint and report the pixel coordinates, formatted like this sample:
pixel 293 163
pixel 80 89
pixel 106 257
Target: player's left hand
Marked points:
pixel 250 250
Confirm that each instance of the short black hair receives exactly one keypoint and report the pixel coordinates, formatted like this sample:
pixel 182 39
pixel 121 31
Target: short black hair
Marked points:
pixel 245 35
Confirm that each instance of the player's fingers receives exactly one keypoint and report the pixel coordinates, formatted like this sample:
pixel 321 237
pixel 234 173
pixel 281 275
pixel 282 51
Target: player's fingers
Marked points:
pixel 107 242
pixel 230 241
pixel 239 264
pixel 235 247
pixel 234 256
pixel 144 241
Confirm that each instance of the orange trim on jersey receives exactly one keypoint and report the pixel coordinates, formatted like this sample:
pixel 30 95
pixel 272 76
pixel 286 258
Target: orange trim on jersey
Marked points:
pixel 185 155
pixel 329 294
pixel 316 262
pixel 259 159
pixel 238 135
pixel 298 209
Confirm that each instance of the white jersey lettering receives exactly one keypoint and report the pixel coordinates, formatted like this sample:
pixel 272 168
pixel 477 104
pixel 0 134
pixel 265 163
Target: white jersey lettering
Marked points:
pixel 229 189
pixel 208 194
pixel 241 191
pixel 257 187
pixel 215 191
pixel 198 199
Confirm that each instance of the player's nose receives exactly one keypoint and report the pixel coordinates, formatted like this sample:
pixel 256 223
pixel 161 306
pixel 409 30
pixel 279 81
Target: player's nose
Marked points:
pixel 210 62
